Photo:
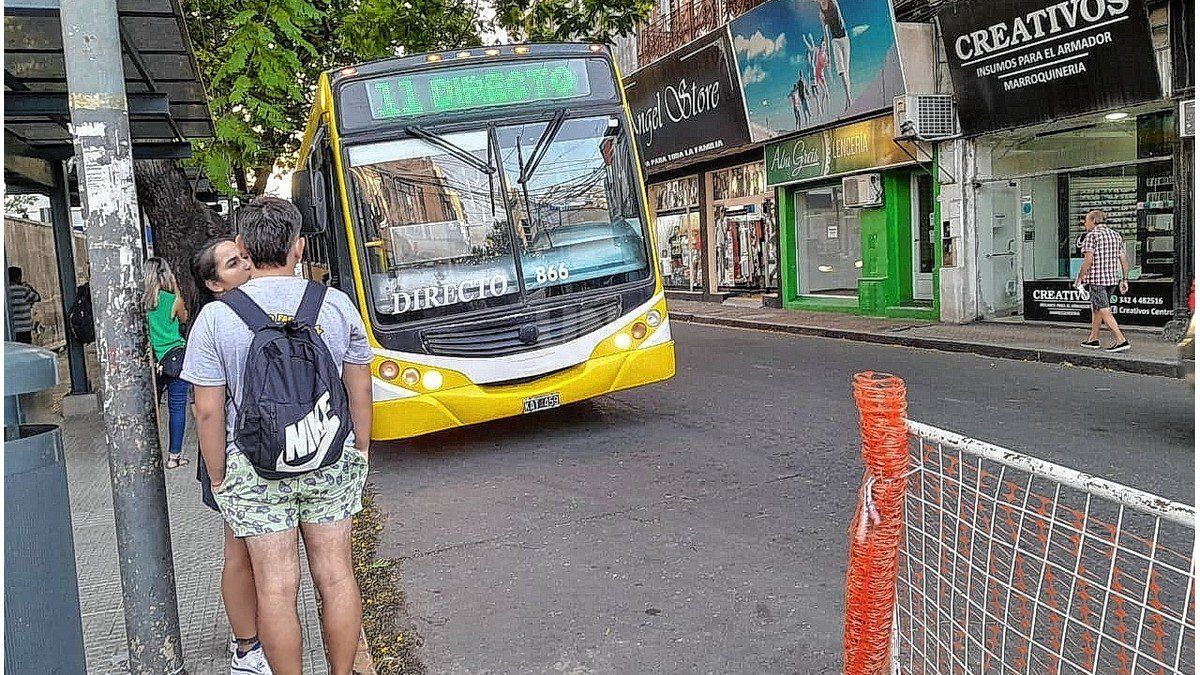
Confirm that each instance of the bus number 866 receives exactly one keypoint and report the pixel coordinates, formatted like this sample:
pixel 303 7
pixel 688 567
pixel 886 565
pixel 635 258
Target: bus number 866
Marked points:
pixel 552 273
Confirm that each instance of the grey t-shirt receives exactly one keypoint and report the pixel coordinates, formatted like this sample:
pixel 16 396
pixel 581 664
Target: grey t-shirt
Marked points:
pixel 219 341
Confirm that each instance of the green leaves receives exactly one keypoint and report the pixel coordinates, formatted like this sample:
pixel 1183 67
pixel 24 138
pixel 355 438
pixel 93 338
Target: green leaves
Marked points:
pixel 260 59
pixel 600 21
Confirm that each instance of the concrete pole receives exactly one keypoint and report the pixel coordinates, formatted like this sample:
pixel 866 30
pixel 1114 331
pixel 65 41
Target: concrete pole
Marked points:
pixel 100 124
pixel 64 251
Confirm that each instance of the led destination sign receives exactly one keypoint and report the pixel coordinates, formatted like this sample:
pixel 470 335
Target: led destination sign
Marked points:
pixel 474 87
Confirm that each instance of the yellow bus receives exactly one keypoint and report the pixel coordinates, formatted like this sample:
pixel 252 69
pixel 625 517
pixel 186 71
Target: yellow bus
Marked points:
pixel 485 209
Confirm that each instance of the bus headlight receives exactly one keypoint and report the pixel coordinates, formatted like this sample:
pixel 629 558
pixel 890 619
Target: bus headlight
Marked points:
pixel 623 341
pixel 432 380
pixel 388 370
pixel 654 318
pixel 410 377
pixel 638 331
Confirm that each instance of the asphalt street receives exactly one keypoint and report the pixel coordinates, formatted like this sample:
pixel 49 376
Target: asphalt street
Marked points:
pixel 700 525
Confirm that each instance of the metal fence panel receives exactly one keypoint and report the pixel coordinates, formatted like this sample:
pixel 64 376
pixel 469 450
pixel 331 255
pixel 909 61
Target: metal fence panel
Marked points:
pixel 1010 564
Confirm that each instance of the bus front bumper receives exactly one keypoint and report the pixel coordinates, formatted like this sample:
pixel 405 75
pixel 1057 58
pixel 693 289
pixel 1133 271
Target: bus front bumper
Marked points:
pixel 472 404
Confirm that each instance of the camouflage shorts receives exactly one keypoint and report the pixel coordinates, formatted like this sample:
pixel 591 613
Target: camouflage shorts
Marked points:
pixel 253 505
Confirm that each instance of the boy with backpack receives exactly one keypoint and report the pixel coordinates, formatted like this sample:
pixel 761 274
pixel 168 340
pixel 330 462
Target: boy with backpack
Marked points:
pixel 281 369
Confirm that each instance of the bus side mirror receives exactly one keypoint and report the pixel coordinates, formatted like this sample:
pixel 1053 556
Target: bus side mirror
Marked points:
pixel 310 202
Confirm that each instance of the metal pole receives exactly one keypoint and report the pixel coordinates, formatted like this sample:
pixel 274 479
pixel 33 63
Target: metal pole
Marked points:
pixel 8 331
pixel 100 124
pixel 64 251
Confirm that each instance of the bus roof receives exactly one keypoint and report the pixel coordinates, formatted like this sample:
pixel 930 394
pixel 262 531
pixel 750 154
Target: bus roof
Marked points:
pixel 324 92
pixel 534 50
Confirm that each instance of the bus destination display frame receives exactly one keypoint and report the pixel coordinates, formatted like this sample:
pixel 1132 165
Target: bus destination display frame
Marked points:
pixel 475 86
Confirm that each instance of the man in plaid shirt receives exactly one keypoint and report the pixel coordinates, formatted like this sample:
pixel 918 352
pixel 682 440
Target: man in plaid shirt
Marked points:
pixel 1105 269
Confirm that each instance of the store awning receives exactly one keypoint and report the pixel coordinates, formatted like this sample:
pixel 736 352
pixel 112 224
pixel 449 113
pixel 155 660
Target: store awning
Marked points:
pixel 167 101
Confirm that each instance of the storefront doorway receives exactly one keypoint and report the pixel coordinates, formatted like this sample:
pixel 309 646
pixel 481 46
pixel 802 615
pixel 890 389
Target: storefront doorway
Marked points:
pixel 743 230
pixel 829 244
pixel 999 279
pixel 924 234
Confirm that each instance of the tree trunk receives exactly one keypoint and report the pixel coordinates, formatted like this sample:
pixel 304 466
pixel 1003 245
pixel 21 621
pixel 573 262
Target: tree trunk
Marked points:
pixel 179 222
pixel 261 174
pixel 239 177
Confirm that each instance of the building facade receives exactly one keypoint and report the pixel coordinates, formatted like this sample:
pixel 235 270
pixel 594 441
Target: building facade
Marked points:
pixel 722 85
pixel 1063 114
pixel 775 170
pixel 857 219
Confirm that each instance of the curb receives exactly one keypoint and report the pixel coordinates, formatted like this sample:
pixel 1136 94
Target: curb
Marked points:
pixel 1157 368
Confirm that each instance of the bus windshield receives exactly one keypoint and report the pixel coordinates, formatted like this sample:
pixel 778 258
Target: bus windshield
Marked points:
pixel 543 209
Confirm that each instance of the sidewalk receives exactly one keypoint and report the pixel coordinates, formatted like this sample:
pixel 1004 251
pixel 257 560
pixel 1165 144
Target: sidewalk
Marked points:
pixel 197 546
pixel 1021 341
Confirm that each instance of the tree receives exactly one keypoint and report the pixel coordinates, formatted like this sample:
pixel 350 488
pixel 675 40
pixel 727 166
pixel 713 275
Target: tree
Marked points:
pixel 179 222
pixel 260 60
pixel 601 21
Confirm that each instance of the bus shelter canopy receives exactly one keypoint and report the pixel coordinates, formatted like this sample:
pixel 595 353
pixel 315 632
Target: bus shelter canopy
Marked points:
pixel 166 99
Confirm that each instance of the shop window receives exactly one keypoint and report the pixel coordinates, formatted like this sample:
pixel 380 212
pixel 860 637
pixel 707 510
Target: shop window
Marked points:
pixel 1116 195
pixel 829 244
pixel 677 232
pixel 676 195
pixel 1030 224
pixel 739 182
pixel 679 254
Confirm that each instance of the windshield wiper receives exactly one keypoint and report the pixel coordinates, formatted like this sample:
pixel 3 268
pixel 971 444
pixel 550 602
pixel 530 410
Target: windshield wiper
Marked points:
pixel 456 151
pixel 543 145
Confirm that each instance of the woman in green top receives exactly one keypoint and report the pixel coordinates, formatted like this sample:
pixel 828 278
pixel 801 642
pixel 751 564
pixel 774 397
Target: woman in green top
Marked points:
pixel 164 313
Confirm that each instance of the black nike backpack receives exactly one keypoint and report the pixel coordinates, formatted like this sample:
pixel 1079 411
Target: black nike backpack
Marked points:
pixel 294 415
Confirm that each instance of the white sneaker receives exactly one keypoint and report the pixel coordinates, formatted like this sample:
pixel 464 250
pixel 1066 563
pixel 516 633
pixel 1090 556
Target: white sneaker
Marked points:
pixel 232 645
pixel 253 663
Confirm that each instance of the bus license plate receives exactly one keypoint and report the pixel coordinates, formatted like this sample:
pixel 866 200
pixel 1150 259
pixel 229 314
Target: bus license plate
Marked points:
pixel 536 403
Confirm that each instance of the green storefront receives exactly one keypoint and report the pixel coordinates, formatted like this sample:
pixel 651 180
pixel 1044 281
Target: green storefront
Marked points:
pixel 857 222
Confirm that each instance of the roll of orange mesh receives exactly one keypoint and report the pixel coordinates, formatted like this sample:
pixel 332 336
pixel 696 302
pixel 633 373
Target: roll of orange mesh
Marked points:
pixel 878 524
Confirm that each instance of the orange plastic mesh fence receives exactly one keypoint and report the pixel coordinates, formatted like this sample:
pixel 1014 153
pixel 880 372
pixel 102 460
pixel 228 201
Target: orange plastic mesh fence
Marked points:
pixel 878 522
pixel 1004 570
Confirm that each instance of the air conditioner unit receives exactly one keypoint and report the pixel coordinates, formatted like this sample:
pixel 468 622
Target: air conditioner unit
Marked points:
pixel 862 190
pixel 1187 118
pixel 925 117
